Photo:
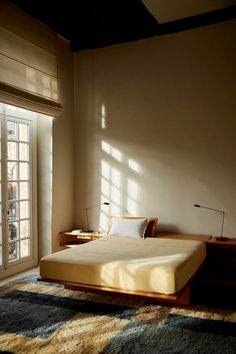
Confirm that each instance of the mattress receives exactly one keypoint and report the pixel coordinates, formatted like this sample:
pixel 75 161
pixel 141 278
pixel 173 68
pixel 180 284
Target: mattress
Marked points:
pixel 150 265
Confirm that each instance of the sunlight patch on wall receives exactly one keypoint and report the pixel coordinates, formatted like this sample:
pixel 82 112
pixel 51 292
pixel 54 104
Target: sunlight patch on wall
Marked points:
pixel 110 190
pixel 103 220
pixel 105 169
pixel 116 154
pixel 132 196
pixel 123 200
pixel 118 183
pixel 103 117
pixel 115 177
pixel 105 188
pixel 115 196
pixel 111 151
pixel 134 165
pixel 106 147
pixel 132 189
pixel 131 206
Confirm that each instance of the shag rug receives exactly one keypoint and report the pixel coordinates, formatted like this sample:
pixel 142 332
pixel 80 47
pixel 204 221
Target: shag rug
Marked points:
pixel 38 317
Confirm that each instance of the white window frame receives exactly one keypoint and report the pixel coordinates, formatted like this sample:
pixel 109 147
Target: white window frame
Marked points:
pixel 19 115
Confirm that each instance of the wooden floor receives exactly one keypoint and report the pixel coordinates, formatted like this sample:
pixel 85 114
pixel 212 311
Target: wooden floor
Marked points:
pixel 19 275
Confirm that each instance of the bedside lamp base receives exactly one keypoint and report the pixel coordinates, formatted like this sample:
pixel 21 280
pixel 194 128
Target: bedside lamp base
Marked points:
pixel 221 238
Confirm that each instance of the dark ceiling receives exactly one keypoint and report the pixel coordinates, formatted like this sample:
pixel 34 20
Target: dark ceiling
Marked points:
pixel 89 24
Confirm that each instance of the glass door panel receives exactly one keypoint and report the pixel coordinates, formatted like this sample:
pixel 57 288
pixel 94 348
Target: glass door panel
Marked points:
pixel 18 190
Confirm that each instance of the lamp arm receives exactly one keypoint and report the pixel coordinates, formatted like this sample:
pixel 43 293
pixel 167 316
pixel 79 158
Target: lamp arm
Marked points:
pixel 220 211
pixel 201 206
pixel 221 238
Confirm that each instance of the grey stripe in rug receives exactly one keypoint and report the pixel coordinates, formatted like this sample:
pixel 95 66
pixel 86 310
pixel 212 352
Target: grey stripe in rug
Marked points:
pixel 39 315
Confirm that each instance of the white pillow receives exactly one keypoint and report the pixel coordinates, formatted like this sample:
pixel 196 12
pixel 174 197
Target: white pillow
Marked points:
pixel 128 227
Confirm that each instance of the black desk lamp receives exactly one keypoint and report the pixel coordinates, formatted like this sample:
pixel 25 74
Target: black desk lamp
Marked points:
pixel 90 207
pixel 221 237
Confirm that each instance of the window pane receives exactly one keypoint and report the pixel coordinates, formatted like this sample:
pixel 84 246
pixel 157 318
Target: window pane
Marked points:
pixel 12 170
pixel 24 210
pixel 0 213
pixel 24 229
pixel 0 255
pixel 12 150
pixel 23 132
pixel 12 211
pixel 12 130
pixel 24 248
pixel 24 152
pixel 12 190
pixel 24 190
pixel 24 170
pixel 0 234
pixel 13 251
pixel 12 231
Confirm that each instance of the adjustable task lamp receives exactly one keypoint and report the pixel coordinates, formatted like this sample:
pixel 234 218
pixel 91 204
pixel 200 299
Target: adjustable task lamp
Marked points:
pixel 221 237
pixel 90 207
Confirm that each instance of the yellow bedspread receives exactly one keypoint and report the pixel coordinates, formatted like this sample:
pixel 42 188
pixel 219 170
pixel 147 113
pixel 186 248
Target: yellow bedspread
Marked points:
pixel 151 264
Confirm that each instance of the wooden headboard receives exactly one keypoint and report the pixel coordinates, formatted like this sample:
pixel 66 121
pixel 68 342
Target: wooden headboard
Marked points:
pixel 151 227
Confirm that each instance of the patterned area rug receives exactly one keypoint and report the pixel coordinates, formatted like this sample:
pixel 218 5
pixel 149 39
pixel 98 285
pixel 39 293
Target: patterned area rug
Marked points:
pixel 42 318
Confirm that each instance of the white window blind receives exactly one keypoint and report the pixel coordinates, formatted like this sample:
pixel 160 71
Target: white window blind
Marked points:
pixel 28 74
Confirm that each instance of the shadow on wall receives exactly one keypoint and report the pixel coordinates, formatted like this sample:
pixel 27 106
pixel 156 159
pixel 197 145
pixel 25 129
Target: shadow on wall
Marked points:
pixel 170 228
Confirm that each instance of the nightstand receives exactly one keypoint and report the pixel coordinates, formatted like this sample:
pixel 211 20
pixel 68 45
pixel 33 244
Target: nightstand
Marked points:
pixel 220 267
pixel 216 283
pixel 72 238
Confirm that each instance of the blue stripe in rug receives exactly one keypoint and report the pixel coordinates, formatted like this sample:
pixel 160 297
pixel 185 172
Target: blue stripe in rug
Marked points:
pixel 202 325
pixel 175 336
pixel 39 315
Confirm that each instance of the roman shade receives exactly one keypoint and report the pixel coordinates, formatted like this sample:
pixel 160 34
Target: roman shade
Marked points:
pixel 28 72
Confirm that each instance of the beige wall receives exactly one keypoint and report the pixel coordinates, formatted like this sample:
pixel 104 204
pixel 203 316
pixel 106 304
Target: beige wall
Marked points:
pixel 63 149
pixel 44 187
pixel 155 130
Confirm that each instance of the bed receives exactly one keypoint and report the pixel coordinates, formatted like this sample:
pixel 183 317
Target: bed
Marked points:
pixel 145 266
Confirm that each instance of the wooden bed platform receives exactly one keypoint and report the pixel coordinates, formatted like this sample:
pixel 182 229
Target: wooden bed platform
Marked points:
pixel 182 297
